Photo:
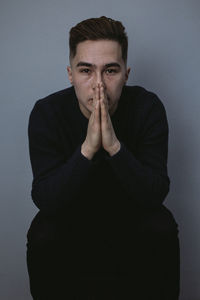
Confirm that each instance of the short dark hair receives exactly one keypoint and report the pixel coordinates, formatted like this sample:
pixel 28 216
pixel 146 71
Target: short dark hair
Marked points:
pixel 102 28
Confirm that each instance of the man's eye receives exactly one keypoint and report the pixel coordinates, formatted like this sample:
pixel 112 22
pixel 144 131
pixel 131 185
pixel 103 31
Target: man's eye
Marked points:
pixel 111 71
pixel 85 71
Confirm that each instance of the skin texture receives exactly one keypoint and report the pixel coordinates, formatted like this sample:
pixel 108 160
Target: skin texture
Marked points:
pixel 98 74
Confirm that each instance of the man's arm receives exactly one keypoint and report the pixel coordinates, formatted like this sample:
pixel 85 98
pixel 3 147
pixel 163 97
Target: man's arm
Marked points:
pixel 143 175
pixel 57 176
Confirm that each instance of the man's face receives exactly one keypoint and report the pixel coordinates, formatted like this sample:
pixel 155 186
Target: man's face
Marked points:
pixel 96 62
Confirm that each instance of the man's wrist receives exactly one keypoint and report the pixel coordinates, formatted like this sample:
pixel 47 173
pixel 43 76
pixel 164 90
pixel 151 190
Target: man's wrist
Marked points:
pixel 116 147
pixel 86 151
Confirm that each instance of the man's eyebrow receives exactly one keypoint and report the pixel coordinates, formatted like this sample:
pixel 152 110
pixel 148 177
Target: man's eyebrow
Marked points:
pixel 113 64
pixel 83 64
pixel 86 64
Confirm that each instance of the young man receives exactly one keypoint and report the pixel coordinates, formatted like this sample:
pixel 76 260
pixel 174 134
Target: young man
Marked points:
pixel 99 158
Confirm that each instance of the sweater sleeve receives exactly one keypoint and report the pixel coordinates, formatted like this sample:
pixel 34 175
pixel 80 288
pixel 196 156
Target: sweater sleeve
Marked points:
pixel 57 176
pixel 143 174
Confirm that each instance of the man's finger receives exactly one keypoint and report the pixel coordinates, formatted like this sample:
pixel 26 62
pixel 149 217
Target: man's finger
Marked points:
pixel 103 96
pixel 95 96
pixel 97 91
pixel 104 112
pixel 97 113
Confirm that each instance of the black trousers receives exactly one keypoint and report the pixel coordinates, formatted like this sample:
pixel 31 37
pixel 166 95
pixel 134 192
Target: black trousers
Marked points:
pixel 138 263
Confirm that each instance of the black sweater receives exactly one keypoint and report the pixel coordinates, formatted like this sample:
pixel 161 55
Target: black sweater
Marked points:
pixel 107 190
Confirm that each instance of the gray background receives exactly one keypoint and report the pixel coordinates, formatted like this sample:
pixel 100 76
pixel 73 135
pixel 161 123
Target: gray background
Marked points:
pixel 164 49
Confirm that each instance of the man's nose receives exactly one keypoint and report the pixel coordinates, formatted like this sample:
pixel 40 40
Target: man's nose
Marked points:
pixel 98 78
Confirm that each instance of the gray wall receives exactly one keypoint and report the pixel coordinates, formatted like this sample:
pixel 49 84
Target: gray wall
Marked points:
pixel 164 57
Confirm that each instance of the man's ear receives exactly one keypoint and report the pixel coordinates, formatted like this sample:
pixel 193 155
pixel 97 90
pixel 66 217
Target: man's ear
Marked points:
pixel 69 71
pixel 127 74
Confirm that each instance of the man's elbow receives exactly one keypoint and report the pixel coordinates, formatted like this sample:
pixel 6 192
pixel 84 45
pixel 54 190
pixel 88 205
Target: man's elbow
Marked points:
pixel 42 200
pixel 160 190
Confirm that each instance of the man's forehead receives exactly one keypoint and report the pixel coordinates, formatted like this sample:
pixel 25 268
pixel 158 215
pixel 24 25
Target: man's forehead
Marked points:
pixel 98 53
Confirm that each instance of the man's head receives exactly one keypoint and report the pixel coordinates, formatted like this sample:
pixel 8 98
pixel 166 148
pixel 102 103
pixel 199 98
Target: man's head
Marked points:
pixel 98 29
pixel 98 53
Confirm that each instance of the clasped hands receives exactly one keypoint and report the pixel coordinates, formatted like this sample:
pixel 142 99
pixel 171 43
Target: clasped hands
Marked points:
pixel 100 130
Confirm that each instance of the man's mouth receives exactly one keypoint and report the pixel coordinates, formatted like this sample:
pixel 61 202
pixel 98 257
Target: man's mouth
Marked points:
pixel 90 101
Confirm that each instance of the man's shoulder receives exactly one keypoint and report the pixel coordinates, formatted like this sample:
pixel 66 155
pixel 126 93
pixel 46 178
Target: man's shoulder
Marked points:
pixel 58 103
pixel 140 99
pixel 57 98
pixel 140 96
